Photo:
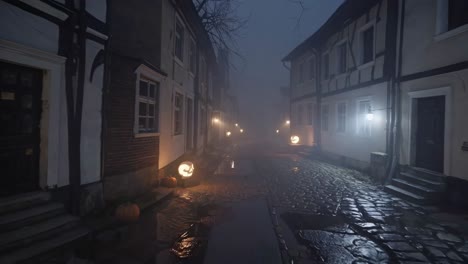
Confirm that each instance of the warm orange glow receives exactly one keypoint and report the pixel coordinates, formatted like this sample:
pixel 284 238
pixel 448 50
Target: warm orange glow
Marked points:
pixel 186 169
pixel 216 120
pixel 228 133
pixel 288 122
pixel 242 130
pixel 294 139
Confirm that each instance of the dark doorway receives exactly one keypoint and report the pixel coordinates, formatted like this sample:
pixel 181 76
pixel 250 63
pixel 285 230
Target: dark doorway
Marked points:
pixel 430 133
pixel 20 109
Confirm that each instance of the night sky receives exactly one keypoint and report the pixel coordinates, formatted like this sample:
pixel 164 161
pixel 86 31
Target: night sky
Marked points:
pixel 271 33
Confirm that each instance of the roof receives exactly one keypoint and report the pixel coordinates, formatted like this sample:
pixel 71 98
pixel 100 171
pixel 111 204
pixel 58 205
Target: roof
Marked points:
pixel 350 9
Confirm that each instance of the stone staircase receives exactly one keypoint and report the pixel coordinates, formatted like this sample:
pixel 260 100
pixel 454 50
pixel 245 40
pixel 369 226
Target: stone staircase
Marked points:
pixel 418 185
pixel 31 226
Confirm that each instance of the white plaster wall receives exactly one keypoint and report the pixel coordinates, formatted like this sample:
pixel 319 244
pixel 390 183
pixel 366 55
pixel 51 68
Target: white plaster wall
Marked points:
pixel 97 8
pixel 91 123
pixel 179 79
pixel 25 28
pixel 422 50
pixel 458 130
pixel 349 143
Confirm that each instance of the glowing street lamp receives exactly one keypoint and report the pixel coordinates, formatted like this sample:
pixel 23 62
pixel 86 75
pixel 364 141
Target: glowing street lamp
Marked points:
pixel 228 133
pixel 277 131
pixel 242 130
pixel 294 139
pixel 288 122
pixel 216 120
pixel 237 125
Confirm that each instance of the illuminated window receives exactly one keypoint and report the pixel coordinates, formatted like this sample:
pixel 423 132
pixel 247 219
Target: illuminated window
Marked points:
pixel 341 117
pixel 178 113
pixel 363 124
pixel 310 114
pixel 367 47
pixel 325 117
pixel 148 106
pixel 341 52
pixel 179 41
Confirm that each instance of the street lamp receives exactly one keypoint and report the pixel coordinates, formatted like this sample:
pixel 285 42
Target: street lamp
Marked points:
pixel 242 130
pixel 215 120
pixel 277 131
pixel 237 125
pixel 228 133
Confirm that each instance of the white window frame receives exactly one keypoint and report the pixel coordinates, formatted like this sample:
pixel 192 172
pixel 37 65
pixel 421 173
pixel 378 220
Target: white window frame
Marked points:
pixel 181 111
pixel 327 117
pixel 338 117
pixel 338 56
pixel 361 45
pixel 144 72
pixel 179 21
pixel 441 30
pixel 363 120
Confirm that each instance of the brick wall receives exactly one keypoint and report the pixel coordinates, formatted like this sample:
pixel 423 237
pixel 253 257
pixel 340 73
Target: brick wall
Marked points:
pixel 123 153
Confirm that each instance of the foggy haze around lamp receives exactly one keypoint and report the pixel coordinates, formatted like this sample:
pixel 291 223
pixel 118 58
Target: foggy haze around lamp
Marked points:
pixel 294 139
pixel 228 133
pixel 186 169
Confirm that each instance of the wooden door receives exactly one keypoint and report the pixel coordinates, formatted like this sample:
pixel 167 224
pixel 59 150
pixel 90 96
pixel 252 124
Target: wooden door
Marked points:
pixel 20 109
pixel 430 133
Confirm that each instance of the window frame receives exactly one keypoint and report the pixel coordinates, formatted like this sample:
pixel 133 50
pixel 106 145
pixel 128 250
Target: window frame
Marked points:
pixel 442 30
pixel 338 46
pixel 180 110
pixel 338 117
pixel 146 73
pixel 362 30
pixel 180 59
pixel 325 119
pixel 326 70
pixel 362 120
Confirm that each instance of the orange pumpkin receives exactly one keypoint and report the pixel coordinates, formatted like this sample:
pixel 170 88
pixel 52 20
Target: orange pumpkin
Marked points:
pixel 127 212
pixel 170 182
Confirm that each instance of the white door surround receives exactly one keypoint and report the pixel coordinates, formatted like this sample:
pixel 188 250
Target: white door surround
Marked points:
pixel 413 96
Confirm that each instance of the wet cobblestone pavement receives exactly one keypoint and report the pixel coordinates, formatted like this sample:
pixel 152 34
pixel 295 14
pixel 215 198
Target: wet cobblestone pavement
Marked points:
pixel 320 213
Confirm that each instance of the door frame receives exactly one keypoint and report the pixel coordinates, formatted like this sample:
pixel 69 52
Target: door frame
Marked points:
pixel 52 127
pixel 413 115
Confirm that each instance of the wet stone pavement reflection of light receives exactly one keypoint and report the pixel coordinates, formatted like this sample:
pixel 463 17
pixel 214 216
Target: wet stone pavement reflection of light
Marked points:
pixel 398 231
pixel 320 212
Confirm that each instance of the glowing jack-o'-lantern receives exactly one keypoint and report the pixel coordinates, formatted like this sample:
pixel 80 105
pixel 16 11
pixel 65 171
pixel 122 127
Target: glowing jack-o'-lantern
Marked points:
pixel 294 139
pixel 186 169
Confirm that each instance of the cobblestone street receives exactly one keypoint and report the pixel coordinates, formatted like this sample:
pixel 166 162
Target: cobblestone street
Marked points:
pixel 327 207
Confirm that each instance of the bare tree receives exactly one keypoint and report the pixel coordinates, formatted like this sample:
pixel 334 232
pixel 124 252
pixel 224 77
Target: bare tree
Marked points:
pixel 222 22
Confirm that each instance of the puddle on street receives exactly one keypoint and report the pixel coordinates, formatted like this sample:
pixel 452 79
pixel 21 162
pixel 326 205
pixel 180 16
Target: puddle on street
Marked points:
pixel 331 240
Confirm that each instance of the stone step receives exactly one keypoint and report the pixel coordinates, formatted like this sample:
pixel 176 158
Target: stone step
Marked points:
pixel 415 188
pixel 30 215
pixel 45 246
pixel 39 231
pixel 409 196
pixel 426 174
pixel 23 201
pixel 434 185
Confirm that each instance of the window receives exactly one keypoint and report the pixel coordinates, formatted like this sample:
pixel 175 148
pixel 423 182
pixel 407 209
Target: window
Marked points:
pixel 341 53
pixel 311 68
pixel 457 13
pixel 193 56
pixel 148 106
pixel 341 117
pixel 178 113
pixel 325 116
pixel 363 125
pixel 310 114
pixel 326 66
pixel 179 41
pixel 300 111
pixel 367 46
pixel 301 72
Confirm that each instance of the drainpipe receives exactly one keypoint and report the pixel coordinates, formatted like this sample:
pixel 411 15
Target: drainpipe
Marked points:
pixel 396 109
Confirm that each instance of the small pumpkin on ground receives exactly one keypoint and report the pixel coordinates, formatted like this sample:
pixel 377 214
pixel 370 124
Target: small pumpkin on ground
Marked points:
pixel 127 212
pixel 170 182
